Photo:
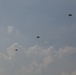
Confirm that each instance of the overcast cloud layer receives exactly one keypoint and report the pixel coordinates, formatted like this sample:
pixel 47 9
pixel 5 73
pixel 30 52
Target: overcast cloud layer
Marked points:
pixel 21 21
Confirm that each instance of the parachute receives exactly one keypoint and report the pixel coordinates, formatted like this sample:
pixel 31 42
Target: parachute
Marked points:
pixel 70 15
pixel 16 49
pixel 70 19
pixel 38 36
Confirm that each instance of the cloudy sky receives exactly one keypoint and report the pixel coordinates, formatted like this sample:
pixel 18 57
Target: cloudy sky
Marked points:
pixel 21 21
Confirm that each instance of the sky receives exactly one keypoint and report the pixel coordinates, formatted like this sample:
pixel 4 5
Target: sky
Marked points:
pixel 21 21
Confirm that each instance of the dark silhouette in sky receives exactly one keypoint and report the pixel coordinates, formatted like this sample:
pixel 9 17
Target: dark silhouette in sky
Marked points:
pixel 38 36
pixel 70 15
pixel 16 49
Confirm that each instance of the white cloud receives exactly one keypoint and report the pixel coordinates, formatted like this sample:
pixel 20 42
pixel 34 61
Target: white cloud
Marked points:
pixel 2 71
pixel 73 73
pixel 66 51
pixel 35 59
pixel 41 58
pixel 45 55
pixel 10 29
pixel 64 74
pixel 10 52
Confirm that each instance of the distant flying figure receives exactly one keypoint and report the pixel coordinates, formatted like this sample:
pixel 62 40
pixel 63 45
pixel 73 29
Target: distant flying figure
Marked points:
pixel 70 15
pixel 38 36
pixel 16 50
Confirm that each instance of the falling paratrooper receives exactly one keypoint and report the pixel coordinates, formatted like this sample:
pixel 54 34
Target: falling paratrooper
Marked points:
pixel 16 49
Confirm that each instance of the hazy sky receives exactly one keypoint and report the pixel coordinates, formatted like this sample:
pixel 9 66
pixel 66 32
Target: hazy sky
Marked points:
pixel 21 21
